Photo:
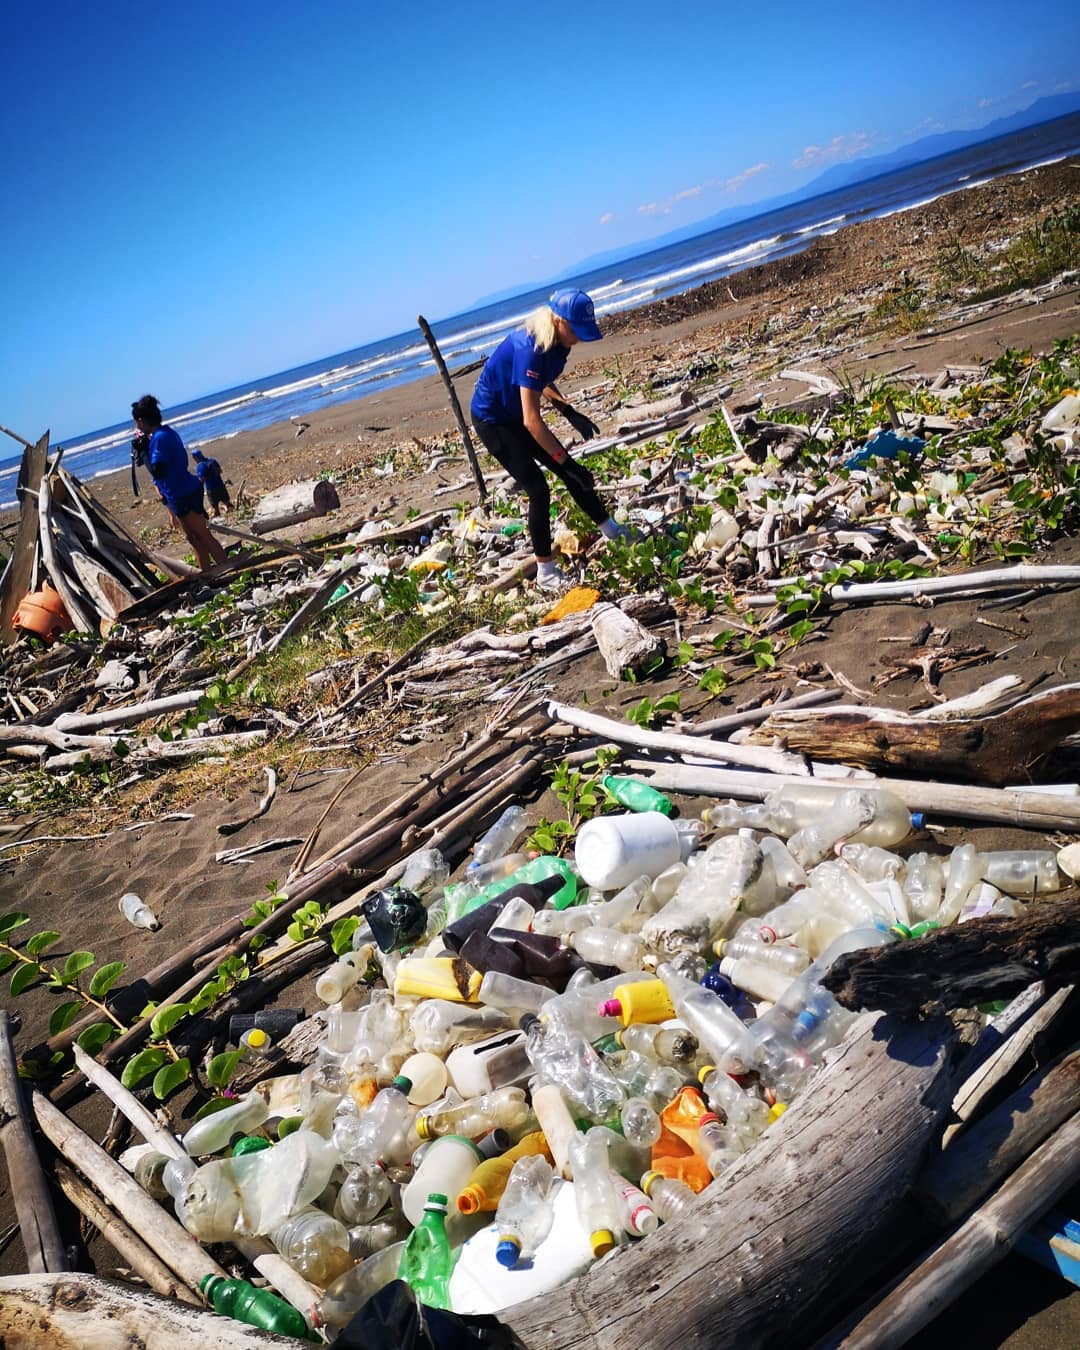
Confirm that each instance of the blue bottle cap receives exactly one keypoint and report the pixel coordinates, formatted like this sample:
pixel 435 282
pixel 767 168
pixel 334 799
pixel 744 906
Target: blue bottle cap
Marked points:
pixel 507 1252
pixel 917 819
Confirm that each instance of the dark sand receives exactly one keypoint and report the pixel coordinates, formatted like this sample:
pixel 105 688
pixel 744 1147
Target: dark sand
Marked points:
pixel 75 887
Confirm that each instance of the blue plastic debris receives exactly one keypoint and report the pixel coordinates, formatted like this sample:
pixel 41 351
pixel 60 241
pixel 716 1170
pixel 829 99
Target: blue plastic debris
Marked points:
pixel 885 445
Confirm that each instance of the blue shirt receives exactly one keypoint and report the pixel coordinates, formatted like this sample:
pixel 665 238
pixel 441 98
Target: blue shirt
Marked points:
pixel 208 472
pixel 168 465
pixel 515 364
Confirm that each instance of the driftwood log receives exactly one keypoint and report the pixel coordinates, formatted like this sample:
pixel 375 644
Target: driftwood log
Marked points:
pixel 293 503
pixel 782 1236
pixel 625 644
pixel 977 1245
pixel 997 749
pixel 83 1312
pixel 33 1204
pixel 959 967
pixel 15 582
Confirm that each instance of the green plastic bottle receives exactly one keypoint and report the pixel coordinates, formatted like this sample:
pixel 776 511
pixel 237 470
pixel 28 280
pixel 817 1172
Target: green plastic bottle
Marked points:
pixel 635 795
pixel 256 1307
pixel 536 869
pixel 427 1259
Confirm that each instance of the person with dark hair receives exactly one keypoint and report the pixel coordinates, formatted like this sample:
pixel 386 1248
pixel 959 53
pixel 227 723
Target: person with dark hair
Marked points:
pixel 165 456
pixel 208 472
pixel 506 414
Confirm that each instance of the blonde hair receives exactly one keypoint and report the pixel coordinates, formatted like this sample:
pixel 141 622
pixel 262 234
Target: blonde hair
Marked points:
pixel 540 326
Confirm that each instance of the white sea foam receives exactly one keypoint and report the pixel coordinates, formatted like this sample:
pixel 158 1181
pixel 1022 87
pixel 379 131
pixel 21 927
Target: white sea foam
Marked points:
pixel 832 220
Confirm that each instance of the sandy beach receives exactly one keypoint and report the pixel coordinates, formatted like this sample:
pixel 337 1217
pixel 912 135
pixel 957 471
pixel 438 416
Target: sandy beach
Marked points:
pixel 826 309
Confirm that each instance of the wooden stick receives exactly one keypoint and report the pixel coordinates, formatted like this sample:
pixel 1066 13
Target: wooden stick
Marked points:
pixel 1031 810
pixel 16 579
pixel 429 338
pixel 53 564
pixel 95 1314
pixel 625 733
pixel 956 1180
pixel 129 1245
pixel 173 1244
pixel 976 1247
pixel 131 712
pixel 974 583
pixel 33 1203
pixel 741 719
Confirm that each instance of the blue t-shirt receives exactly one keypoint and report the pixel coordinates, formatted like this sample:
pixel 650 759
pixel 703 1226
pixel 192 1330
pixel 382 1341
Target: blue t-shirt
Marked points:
pixel 515 364
pixel 208 472
pixel 168 465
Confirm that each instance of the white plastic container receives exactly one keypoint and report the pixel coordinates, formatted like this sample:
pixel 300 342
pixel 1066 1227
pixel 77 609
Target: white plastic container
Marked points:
pixel 136 912
pixel 446 1166
pixel 612 851
pixel 478 1068
pixel 427 1074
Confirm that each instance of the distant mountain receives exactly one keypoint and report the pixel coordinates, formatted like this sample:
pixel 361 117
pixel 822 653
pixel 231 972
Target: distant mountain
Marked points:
pixel 1047 109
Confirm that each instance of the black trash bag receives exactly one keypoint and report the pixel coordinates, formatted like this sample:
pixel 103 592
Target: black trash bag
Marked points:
pixel 397 918
pixel 395 1317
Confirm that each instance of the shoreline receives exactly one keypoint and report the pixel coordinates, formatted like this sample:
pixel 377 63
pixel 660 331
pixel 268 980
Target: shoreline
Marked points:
pixel 833 282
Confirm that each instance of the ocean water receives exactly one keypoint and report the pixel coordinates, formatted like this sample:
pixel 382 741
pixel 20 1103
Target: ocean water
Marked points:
pixel 649 276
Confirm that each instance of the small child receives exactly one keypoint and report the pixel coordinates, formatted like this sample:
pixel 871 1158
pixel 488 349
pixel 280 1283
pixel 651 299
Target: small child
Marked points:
pixel 208 472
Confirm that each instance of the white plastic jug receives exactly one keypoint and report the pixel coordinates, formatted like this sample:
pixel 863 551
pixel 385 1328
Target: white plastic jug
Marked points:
pixel 612 851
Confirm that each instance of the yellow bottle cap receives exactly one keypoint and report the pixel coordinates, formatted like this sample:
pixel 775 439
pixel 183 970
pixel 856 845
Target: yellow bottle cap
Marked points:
pixel 649 1179
pixel 423 1127
pixel 257 1038
pixel 704 1072
pixel 718 947
pixel 776 1111
pixel 602 1241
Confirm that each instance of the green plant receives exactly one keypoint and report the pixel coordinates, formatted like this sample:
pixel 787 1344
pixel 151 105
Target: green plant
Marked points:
pixel 649 710
pixel 581 793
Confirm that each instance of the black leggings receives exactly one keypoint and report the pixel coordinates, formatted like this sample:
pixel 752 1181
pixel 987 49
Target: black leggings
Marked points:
pixel 522 456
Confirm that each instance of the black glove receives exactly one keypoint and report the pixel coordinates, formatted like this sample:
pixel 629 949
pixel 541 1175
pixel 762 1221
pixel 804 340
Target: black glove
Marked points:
pixel 585 427
pixel 573 472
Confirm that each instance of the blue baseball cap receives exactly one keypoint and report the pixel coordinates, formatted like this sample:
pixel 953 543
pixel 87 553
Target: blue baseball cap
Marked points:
pixel 577 309
pixel 197 454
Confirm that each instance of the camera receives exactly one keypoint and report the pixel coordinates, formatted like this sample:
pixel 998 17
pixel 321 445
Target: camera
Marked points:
pixel 140 448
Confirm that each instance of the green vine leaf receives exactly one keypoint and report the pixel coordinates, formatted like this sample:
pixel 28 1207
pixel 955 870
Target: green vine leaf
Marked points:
pixel 9 922
pixel 106 977
pixel 63 1015
pixel 221 1068
pixel 74 966
pixel 342 932
pixel 164 1021
pixel 169 1078
pixel 7 960
pixel 40 941
pixel 211 1108
pixel 142 1065
pixel 24 977
pixel 94 1039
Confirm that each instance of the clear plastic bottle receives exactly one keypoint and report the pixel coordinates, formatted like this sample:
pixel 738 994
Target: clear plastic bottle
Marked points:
pixel 756 978
pixel 664 1045
pixel 640 1123
pixel 365 1239
pixel 524 1215
pixel 779 955
pixel 636 1213
pixel 556 1122
pixel 484 1187
pixel 512 995
pixel 363 1194
pixel 848 815
pixel 924 885
pixel 348 1294
pixel 804 804
pixel 563 1056
pixel 501 837
pixel 426 1261
pixel 426 872
pixel 670 1198
pixel 609 947
pixel 483 874
pixel 438 1025
pixel 136 912
pixel 256 1044
pixel 577 1005
pixel 367 1138
pixel 718 1029
pixel 746 1115
pixel 716 1144
pixel 730 869
pixel 965 871
pixel 315 1245
pixel 597 1203
pixel 787 873
pixel 872 863
pixel 215 1132
pixel 505 1108
pixel 335 982
pixel 1023 872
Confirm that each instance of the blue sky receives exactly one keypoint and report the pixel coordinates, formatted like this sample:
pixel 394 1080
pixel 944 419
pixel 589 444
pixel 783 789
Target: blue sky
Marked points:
pixel 199 194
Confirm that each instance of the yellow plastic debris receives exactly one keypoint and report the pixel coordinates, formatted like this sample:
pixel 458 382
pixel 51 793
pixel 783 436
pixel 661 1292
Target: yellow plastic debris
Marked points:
pixel 576 601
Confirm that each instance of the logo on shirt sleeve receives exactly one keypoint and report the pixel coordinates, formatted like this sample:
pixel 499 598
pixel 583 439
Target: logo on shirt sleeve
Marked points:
pixel 533 374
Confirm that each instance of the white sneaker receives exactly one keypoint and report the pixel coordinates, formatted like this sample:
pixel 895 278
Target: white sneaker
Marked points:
pixel 550 578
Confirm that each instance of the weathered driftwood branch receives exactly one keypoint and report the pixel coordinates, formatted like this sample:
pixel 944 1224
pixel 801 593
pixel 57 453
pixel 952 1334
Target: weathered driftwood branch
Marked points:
pixel 816 1195
pixel 294 503
pixel 33 1203
pixel 154 1272
pixel 173 1244
pixel 16 578
pixel 995 748
pixel 964 965
pixel 1032 810
pixel 625 644
pixel 626 733
pixel 1004 1042
pixel 129 713
pixel 429 338
pixel 312 607
pixel 976 1246
pixel 956 1179
pixel 959 583
pixel 95 1314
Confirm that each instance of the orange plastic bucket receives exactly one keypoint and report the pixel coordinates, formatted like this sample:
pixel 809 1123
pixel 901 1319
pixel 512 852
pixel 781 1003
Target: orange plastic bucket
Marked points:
pixel 42 612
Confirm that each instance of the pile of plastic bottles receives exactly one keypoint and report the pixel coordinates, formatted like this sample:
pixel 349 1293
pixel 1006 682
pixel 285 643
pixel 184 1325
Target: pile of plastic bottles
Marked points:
pixel 545 1060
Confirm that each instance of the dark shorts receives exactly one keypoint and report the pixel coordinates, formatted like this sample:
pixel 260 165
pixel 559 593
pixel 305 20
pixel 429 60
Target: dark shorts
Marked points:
pixel 191 502
pixel 219 496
